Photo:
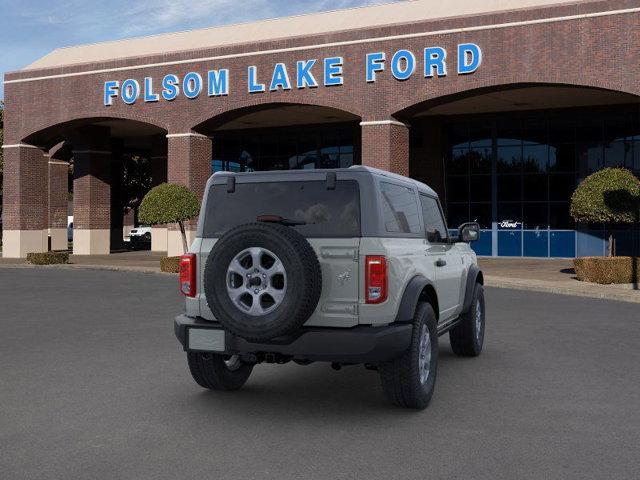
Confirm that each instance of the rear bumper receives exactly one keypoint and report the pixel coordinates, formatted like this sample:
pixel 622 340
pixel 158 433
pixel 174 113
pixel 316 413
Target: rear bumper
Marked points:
pixel 362 344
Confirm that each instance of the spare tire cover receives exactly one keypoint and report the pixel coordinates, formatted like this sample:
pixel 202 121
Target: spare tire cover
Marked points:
pixel 262 280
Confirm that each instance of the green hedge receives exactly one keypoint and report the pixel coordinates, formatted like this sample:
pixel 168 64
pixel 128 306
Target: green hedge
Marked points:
pixel 48 258
pixel 170 264
pixel 607 270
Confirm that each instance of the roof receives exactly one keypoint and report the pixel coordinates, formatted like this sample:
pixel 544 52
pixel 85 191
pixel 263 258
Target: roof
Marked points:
pixel 279 28
pixel 319 173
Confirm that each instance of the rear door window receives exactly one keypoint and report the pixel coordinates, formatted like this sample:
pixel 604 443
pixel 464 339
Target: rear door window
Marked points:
pixel 399 209
pixel 325 213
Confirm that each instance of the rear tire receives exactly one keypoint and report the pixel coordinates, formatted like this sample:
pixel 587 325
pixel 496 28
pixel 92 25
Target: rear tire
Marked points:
pixel 218 372
pixel 403 379
pixel 467 337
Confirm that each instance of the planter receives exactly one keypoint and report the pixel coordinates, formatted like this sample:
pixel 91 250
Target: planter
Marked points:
pixel 48 258
pixel 170 264
pixel 607 270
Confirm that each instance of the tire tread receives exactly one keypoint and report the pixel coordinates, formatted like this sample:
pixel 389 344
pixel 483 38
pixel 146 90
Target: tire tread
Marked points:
pixel 399 377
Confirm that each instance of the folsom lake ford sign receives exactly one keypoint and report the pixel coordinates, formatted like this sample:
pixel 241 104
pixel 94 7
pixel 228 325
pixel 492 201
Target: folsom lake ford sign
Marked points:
pixel 309 73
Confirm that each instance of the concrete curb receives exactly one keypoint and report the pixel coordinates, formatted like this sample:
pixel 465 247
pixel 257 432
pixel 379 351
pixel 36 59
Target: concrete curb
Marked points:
pixel 603 292
pixel 75 266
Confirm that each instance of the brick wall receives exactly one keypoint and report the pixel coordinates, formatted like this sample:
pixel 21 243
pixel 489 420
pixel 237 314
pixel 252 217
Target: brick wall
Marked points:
pixel 600 51
pixel 386 146
pixel 25 189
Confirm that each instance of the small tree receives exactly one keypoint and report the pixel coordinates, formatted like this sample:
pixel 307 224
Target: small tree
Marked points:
pixel 611 195
pixel 169 203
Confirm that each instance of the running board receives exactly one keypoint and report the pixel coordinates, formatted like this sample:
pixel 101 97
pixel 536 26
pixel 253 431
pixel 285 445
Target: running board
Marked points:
pixel 448 325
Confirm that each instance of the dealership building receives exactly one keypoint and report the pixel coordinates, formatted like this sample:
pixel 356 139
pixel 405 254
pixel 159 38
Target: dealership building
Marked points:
pixel 501 106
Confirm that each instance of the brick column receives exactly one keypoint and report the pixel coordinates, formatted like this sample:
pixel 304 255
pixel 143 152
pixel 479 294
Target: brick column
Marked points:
pixel 25 209
pixel 158 176
pixel 117 208
pixel 385 145
pixel 189 164
pixel 91 202
pixel 91 191
pixel 58 191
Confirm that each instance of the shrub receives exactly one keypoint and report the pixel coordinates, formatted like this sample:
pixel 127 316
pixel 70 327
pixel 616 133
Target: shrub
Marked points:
pixel 611 195
pixel 48 258
pixel 169 203
pixel 607 270
pixel 170 264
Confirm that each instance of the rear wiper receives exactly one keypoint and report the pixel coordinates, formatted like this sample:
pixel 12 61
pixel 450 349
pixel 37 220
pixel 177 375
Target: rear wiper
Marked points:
pixel 281 220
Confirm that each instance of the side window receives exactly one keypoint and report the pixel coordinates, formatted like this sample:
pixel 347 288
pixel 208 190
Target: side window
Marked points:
pixel 400 209
pixel 433 220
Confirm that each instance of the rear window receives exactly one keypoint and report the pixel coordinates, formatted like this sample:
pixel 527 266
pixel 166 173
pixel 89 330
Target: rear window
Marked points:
pixel 327 213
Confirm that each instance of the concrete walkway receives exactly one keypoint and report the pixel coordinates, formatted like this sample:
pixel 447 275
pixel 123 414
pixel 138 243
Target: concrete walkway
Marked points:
pixel 137 261
pixel 540 275
pixel 551 276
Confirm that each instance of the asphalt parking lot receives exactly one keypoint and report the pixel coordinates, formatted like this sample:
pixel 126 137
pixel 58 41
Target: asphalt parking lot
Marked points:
pixel 94 385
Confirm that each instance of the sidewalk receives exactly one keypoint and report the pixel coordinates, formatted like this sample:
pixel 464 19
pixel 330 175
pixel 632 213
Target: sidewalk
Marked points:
pixel 550 276
pixel 135 261
pixel 538 275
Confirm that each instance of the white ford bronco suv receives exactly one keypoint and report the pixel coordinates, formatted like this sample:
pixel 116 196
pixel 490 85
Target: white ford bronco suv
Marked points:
pixel 348 266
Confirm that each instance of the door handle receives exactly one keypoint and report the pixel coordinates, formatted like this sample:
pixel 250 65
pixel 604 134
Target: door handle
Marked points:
pixel 440 262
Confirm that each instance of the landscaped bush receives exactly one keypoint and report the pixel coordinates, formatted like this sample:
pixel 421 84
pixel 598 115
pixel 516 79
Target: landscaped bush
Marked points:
pixel 607 270
pixel 170 264
pixel 169 203
pixel 609 196
pixel 48 258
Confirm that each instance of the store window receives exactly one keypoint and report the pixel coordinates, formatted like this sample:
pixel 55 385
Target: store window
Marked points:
pixel 295 148
pixel 522 173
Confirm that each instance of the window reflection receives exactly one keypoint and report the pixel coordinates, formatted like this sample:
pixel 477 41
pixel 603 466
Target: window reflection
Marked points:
pixel 285 149
pixel 539 158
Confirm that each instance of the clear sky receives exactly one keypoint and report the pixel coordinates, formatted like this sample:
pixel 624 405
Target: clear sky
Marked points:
pixel 30 29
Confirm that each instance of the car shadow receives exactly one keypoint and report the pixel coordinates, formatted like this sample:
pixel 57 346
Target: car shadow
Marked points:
pixel 305 393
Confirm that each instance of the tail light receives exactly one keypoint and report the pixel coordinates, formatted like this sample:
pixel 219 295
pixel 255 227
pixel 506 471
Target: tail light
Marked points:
pixel 375 279
pixel 188 274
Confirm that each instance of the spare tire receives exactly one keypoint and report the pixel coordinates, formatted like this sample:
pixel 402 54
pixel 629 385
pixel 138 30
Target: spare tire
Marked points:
pixel 262 280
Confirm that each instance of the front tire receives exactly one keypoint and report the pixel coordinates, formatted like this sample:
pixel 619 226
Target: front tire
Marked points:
pixel 409 380
pixel 218 372
pixel 467 337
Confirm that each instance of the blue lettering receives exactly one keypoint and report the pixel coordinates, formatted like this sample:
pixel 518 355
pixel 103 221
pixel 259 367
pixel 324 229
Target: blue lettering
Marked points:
pixel 254 87
pixel 398 69
pixel 333 71
pixel 170 87
pixel 110 92
pixel 280 78
pixel 304 77
pixel 218 82
pixel 469 58
pixel 434 58
pixel 375 63
pixel 130 91
pixel 149 96
pixel 192 85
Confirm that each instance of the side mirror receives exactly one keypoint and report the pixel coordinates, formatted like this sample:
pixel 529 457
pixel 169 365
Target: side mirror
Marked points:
pixel 469 232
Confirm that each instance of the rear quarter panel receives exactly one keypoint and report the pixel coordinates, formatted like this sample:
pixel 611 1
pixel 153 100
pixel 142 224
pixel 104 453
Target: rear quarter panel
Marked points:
pixel 404 261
